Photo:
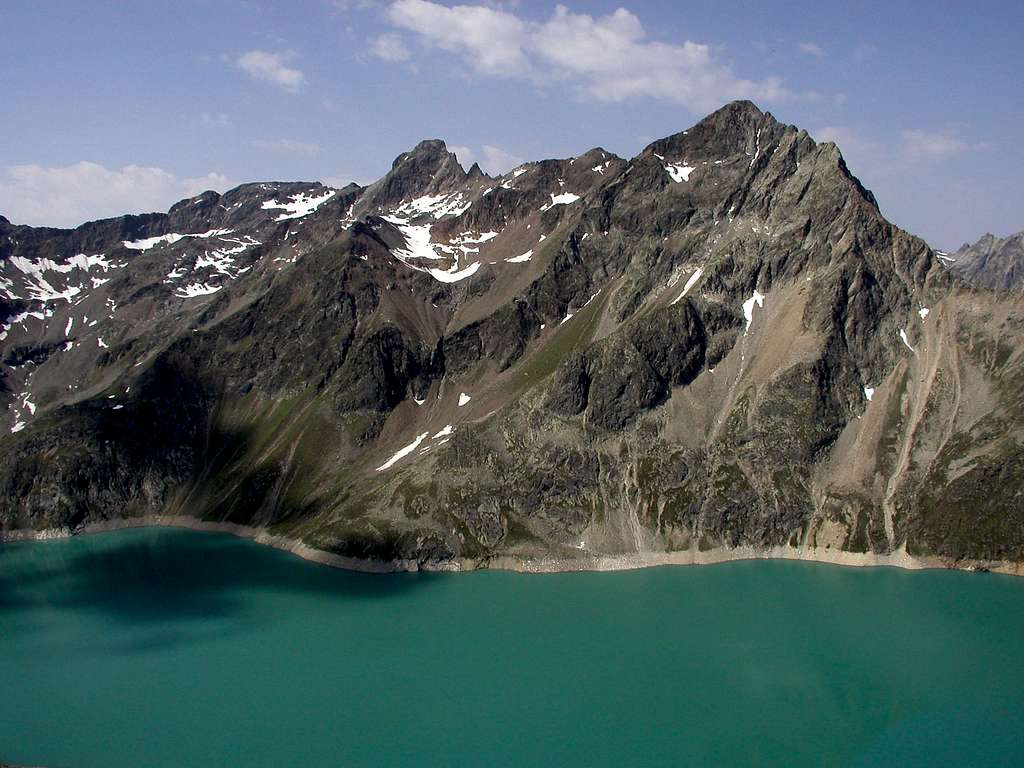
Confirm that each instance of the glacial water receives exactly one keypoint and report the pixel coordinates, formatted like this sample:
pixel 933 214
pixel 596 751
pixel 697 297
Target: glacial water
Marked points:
pixel 160 647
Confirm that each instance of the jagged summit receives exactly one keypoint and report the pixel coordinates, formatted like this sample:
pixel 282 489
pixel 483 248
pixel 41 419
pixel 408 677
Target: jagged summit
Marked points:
pixel 428 169
pixel 738 117
pixel 426 153
pixel 736 127
pixel 717 343
pixel 738 109
pixel 992 262
pixel 476 172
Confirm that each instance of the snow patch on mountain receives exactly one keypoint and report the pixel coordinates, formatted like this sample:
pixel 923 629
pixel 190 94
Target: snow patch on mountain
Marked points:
pixel 679 173
pixel 419 246
pixel 403 452
pixel 151 242
pixel 209 269
pixel 196 289
pixel 417 240
pixel 437 206
pixel 689 284
pixel 299 205
pixel 39 276
pixel 566 198
pixel 748 307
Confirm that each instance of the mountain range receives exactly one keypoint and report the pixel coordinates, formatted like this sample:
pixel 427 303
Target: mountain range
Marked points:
pixel 719 345
pixel 992 262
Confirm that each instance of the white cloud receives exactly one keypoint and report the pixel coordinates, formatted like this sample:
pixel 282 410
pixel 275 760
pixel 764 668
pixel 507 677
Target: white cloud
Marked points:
pixel 491 39
pixel 811 49
pixel 497 160
pixel 465 155
pixel 867 158
pixel 390 47
pixel 69 195
pixel 607 58
pixel 270 67
pixel 893 157
pixel 846 138
pixel 925 144
pixel 493 160
pixel 288 145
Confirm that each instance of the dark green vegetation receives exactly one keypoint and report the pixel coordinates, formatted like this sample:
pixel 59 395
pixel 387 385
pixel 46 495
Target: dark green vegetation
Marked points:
pixel 824 381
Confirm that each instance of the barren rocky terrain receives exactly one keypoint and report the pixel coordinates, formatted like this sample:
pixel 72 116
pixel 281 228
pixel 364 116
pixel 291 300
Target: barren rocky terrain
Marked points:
pixel 719 343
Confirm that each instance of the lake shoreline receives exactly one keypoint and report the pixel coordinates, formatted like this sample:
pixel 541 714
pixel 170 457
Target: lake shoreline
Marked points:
pixel 529 564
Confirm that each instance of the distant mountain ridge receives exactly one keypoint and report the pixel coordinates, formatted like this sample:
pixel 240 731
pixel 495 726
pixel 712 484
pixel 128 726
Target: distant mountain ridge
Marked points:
pixel 992 262
pixel 719 344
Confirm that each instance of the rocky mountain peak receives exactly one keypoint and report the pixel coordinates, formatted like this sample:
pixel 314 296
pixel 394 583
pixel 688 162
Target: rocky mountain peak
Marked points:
pixel 718 342
pixel 739 126
pixel 992 262
pixel 428 169
pixel 204 200
pixel 475 172
pixel 427 153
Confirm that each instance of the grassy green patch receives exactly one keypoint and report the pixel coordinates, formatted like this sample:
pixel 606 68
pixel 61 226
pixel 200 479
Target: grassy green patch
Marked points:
pixel 575 334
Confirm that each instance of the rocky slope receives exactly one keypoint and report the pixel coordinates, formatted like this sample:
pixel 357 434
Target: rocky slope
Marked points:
pixel 992 262
pixel 719 343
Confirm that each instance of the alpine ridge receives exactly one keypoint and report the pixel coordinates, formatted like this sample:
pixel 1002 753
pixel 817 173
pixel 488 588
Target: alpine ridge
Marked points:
pixel 719 344
pixel 992 262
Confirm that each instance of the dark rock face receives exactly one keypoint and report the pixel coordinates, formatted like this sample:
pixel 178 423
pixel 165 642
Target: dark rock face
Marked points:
pixel 632 372
pixel 719 342
pixel 89 462
pixel 992 262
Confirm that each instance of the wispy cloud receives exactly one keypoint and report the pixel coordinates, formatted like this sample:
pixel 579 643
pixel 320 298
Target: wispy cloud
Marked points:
pixel 270 68
pixel 811 49
pixel 606 58
pixel 66 196
pixel 926 144
pixel 288 145
pixel 390 47
pixel 494 160
pixel 215 119
pixel 897 155
pixel 492 40
pixel 848 138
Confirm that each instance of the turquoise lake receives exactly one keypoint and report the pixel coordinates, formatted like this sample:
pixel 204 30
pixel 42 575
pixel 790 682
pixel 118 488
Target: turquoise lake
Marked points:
pixel 162 647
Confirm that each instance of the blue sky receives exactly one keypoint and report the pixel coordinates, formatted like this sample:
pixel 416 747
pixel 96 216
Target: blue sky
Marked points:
pixel 112 107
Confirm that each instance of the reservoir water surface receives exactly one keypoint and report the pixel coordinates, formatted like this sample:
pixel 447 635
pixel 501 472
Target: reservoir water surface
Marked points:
pixel 163 647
